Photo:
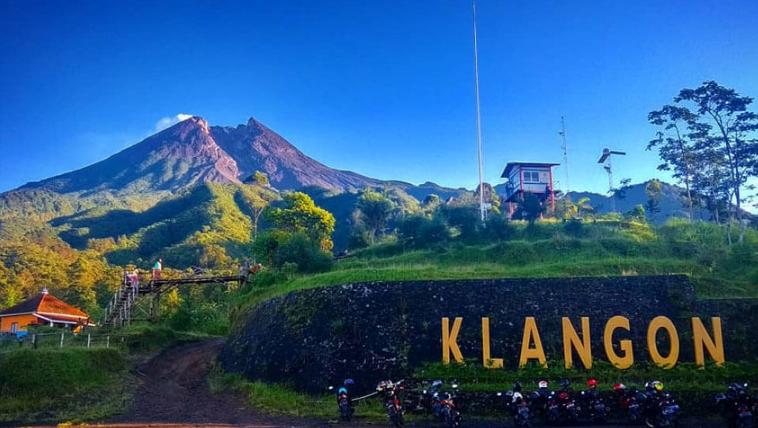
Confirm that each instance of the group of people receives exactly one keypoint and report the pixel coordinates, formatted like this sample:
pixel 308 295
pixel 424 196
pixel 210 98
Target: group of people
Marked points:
pixel 132 278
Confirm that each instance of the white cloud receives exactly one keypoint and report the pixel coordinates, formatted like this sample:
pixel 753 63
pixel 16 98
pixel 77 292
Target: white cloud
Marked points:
pixel 169 121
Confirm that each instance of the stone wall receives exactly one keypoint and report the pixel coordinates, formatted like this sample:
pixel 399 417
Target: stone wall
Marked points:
pixel 377 330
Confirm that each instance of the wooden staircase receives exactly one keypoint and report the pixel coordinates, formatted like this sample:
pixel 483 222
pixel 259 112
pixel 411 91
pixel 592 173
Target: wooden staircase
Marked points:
pixel 122 308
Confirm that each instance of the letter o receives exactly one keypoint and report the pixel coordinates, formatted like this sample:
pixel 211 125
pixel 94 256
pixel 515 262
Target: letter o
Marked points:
pixel 669 361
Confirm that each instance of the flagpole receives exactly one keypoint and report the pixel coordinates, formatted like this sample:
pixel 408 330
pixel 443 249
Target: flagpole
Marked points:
pixel 482 209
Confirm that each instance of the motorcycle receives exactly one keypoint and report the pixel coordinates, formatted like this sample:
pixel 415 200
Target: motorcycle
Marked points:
pixel 539 399
pixel 449 413
pixel 592 405
pixel 737 406
pixel 562 406
pixel 344 404
pixel 662 411
pixel 630 403
pixel 430 399
pixel 392 401
pixel 518 406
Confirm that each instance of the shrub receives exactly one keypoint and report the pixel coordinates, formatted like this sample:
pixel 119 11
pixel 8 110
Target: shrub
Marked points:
pixel 574 227
pixel 499 228
pixel 278 248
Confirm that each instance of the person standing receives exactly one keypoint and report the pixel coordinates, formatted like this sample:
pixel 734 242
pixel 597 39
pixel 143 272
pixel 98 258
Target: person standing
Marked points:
pixel 157 267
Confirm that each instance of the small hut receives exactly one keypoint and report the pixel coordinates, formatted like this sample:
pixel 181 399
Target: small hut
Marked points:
pixel 43 309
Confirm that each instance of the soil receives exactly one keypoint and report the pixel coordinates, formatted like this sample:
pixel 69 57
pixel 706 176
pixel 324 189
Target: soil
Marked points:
pixel 174 390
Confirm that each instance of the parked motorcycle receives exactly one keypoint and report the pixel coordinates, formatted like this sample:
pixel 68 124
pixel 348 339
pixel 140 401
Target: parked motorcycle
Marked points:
pixel 630 403
pixel 392 402
pixel 449 412
pixel 661 409
pixel 518 406
pixel 538 400
pixel 592 405
pixel 562 408
pixel 344 402
pixel 737 406
pixel 430 398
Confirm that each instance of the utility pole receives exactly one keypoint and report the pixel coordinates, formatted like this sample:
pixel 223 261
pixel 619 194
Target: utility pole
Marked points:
pixel 605 158
pixel 482 207
pixel 564 147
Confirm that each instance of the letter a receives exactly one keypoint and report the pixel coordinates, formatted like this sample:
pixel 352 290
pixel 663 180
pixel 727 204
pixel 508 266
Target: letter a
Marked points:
pixel 571 340
pixel 450 340
pixel 487 360
pixel 527 353
pixel 715 345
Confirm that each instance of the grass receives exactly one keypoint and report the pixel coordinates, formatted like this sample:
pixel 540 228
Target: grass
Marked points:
pixel 697 250
pixel 61 384
pixel 281 400
pixel 685 377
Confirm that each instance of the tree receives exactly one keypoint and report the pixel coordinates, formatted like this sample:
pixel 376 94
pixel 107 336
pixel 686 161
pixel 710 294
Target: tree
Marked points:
pixel 257 199
pixel 375 210
pixel 531 208
pixel 675 145
pixel 653 190
pixel 583 207
pixel 260 178
pixel 723 125
pixel 299 214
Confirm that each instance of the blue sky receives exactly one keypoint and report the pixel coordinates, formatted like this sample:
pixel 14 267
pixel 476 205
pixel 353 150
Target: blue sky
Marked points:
pixel 383 88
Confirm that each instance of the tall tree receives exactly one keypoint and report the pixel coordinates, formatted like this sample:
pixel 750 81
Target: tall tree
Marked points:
pixel 724 124
pixel 675 145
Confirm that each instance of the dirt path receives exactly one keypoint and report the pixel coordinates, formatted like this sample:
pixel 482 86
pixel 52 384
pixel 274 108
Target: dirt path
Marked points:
pixel 174 390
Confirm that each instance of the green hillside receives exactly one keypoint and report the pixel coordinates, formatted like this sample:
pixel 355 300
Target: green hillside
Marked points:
pixel 549 249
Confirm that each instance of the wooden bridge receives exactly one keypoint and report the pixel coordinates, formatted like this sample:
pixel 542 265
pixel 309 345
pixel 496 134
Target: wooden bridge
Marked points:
pixel 123 308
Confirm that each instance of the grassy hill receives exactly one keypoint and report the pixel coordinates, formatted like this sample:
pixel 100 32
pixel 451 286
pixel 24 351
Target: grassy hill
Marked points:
pixel 699 250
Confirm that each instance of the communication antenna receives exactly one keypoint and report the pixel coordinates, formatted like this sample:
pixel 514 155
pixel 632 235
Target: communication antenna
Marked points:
pixel 564 147
pixel 605 158
pixel 482 207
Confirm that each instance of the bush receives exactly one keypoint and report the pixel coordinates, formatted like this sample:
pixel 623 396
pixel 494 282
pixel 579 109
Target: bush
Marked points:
pixel 465 219
pixel 574 227
pixel 419 231
pixel 499 228
pixel 278 248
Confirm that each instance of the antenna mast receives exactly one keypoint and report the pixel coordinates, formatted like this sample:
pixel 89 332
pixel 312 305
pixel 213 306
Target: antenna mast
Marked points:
pixel 564 147
pixel 482 208
pixel 605 159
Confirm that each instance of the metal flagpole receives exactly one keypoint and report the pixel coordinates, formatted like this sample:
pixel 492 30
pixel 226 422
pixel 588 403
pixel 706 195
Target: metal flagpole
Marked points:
pixel 482 208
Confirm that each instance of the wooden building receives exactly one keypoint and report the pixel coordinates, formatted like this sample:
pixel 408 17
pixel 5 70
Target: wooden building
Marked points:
pixel 42 309
pixel 528 178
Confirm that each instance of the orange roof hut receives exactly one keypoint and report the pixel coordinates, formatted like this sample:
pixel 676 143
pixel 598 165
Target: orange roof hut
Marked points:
pixel 42 309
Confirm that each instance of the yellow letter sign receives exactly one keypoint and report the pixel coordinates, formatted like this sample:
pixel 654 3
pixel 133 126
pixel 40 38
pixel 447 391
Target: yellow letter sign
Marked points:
pixel 450 340
pixel 656 324
pixel 571 340
pixel 527 353
pixel 620 362
pixel 487 360
pixel 715 345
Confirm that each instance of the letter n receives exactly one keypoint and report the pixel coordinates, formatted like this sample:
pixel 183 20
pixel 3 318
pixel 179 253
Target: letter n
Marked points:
pixel 571 341
pixel 450 340
pixel 714 345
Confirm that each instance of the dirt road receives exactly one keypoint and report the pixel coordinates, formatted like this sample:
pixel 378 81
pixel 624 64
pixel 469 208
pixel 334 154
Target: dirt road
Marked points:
pixel 174 390
pixel 174 393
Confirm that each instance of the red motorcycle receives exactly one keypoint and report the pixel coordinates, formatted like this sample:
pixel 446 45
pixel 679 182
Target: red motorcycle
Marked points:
pixel 392 401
